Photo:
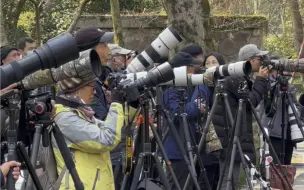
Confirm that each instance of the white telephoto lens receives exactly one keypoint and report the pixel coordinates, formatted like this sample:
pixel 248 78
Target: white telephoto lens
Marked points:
pixel 296 135
pixel 181 79
pixel 136 65
pixel 169 39
pixel 159 46
pixel 197 79
pixel 236 69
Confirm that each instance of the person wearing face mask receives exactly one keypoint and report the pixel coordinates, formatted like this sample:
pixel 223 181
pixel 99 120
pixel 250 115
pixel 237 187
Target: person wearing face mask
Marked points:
pixel 89 139
pixel 120 57
pixel 205 95
pixel 170 101
pixel 275 133
pixel 26 46
pixel 117 60
pixel 257 89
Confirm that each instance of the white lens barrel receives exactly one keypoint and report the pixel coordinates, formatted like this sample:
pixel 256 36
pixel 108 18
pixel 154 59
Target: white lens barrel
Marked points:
pixel 168 39
pixel 181 78
pixel 159 46
pixel 197 79
pixel 296 135
pixel 236 69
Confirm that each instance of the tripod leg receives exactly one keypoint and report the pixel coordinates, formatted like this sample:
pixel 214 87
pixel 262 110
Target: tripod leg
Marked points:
pixel 275 156
pixel 181 148
pixel 11 156
pixel 200 161
pixel 244 164
pixel 30 168
pixel 66 155
pixel 232 131
pixel 204 135
pixel 188 141
pixel 36 142
pixel 165 156
pixel 161 172
pixel 298 120
pixel 137 171
pixel 235 139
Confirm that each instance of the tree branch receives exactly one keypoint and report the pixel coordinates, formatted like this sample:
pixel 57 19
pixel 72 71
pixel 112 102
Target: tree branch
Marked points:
pixel 17 11
pixel 77 14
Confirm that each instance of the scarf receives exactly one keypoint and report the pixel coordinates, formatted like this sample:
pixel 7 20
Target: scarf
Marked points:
pixel 84 108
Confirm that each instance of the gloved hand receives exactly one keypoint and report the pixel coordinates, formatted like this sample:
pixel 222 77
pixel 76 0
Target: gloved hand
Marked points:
pixel 183 59
pixel 117 96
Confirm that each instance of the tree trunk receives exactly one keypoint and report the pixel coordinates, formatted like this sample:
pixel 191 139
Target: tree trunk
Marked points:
pixel 77 14
pixel 3 36
pixel 117 26
pixel 16 12
pixel 297 24
pixel 37 23
pixel 191 19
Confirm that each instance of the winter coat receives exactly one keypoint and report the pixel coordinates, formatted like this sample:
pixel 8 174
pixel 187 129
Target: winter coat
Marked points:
pixel 90 144
pixel 256 93
pixel 170 101
pixel 205 94
pixel 276 130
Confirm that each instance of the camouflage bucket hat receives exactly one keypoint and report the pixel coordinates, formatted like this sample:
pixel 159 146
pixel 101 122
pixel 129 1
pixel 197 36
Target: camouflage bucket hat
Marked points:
pixel 79 77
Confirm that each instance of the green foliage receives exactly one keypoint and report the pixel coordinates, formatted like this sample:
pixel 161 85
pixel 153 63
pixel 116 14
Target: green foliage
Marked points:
pixel 281 44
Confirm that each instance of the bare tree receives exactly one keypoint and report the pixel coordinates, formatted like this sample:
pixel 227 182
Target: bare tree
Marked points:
pixel 77 14
pixel 117 26
pixel 297 24
pixel 192 19
pixel 3 36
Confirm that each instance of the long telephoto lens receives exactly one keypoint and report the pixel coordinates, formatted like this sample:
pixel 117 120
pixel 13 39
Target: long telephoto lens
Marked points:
pixel 87 65
pixel 54 53
pixel 289 65
pixel 242 68
pixel 158 49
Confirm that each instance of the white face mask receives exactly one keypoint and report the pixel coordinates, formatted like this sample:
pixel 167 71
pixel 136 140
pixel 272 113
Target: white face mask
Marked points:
pixel 30 52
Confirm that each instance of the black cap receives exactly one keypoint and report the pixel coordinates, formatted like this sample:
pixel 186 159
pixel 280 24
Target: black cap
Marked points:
pixel 193 49
pixel 5 50
pixel 88 37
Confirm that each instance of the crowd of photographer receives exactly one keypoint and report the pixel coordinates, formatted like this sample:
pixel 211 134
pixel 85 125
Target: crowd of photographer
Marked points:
pixel 92 114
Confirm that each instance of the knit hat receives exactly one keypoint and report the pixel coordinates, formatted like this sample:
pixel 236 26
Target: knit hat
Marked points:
pixel 193 49
pixel 5 50
pixel 81 78
pixel 219 57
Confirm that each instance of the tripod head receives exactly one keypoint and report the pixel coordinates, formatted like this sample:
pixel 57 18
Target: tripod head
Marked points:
pixel 243 89
pixel 219 88
pixel 182 99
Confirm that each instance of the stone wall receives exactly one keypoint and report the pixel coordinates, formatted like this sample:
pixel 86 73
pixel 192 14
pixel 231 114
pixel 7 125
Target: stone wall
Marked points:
pixel 229 32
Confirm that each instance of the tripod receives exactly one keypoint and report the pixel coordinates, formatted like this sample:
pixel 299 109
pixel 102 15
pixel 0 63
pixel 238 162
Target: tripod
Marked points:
pixel 286 100
pixel 41 106
pixel 143 162
pixel 243 90
pixel 190 139
pixel 11 100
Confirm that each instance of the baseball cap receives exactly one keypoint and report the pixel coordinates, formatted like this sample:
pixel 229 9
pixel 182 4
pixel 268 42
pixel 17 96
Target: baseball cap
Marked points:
pixel 5 50
pixel 250 50
pixel 86 37
pixel 116 49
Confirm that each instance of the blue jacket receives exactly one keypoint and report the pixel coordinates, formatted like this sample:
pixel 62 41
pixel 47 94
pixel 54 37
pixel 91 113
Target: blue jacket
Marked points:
pixel 171 103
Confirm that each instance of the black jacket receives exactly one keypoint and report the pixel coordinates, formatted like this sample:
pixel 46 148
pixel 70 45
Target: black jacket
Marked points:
pixel 276 130
pixel 256 93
